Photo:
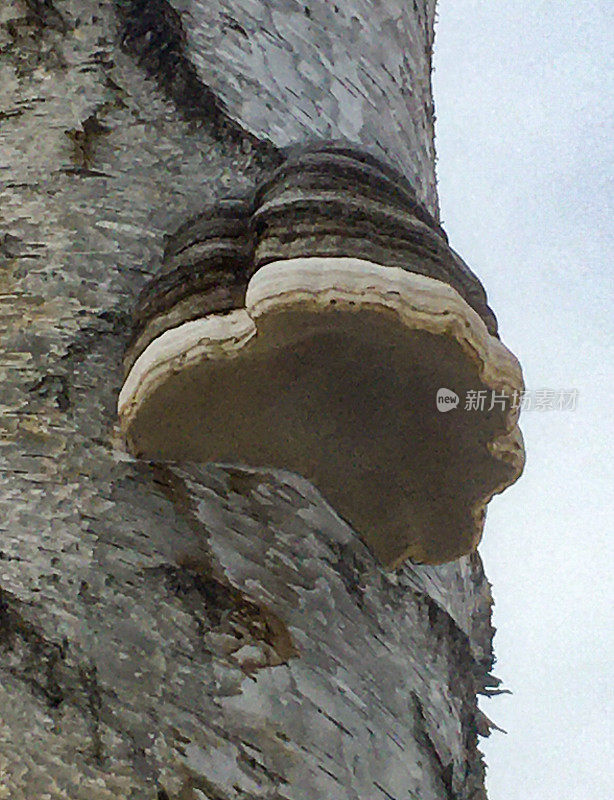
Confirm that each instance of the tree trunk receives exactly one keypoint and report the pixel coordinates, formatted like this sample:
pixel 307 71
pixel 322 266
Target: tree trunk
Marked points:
pixel 179 631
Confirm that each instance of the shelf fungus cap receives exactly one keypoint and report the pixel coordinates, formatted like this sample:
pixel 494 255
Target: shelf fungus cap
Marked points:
pixel 355 375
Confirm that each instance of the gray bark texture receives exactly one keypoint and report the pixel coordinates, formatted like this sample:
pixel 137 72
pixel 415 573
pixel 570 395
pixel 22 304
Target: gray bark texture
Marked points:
pixel 181 631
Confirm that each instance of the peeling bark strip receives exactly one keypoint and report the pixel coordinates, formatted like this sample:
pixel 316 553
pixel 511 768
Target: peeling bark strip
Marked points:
pixel 185 632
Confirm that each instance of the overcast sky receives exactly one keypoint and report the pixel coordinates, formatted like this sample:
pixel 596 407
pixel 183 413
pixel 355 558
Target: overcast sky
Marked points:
pixel 524 102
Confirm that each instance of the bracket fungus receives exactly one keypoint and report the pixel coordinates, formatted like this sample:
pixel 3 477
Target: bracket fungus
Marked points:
pixel 310 328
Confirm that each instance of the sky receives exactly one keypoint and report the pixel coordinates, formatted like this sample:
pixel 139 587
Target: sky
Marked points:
pixel 524 100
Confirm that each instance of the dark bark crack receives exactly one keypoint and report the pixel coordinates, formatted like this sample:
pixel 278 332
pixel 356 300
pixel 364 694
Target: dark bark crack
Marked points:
pixel 153 33
pixel 214 603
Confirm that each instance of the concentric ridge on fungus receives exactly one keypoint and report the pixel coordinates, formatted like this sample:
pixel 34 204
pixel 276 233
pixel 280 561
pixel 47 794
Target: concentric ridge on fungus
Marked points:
pixel 272 338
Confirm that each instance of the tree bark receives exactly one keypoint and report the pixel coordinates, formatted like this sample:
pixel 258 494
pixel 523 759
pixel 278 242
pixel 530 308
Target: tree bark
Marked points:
pixel 179 631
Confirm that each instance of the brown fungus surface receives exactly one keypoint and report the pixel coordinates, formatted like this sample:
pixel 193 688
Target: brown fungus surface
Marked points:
pixel 332 370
